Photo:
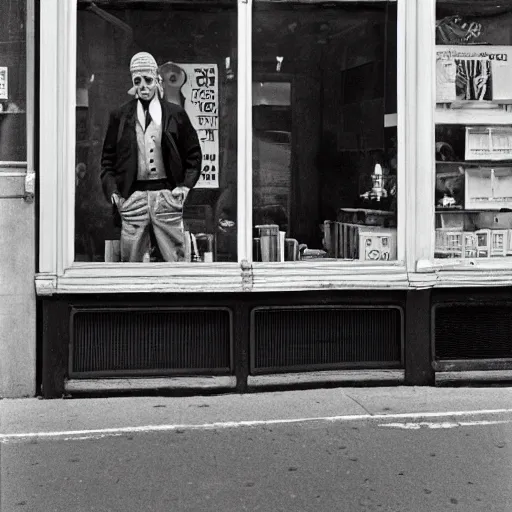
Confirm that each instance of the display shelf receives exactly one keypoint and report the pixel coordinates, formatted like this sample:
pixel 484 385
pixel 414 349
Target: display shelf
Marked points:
pixel 474 163
pixel 472 116
pixel 461 210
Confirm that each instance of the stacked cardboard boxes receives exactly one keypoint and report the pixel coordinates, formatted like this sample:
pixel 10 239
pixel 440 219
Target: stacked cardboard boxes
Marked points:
pixel 483 243
pixel 358 242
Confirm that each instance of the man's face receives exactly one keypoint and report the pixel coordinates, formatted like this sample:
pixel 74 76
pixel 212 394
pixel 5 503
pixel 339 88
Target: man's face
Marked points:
pixel 145 84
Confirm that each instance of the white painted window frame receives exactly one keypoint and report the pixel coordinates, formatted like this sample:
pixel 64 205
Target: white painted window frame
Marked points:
pixel 58 273
pixel 432 272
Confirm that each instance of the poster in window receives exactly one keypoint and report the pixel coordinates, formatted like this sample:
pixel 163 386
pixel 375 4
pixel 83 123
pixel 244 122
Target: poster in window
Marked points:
pixel 476 74
pixel 4 88
pixel 195 87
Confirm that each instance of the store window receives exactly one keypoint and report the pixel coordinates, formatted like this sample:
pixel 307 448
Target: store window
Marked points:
pixel 156 131
pixel 13 79
pixel 473 185
pixel 324 103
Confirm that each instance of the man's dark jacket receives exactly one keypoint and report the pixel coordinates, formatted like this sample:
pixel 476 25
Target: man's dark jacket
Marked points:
pixel 180 149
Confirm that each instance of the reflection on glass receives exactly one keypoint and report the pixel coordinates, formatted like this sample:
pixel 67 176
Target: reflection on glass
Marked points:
pixel 324 131
pixel 156 133
pixel 13 74
pixel 473 150
pixel 272 120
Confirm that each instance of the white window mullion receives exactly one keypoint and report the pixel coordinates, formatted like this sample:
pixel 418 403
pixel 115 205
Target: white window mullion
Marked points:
pixel 248 234
pixel 425 134
pixel 67 122
pixel 48 135
pixel 244 186
pixel 406 129
pixel 57 135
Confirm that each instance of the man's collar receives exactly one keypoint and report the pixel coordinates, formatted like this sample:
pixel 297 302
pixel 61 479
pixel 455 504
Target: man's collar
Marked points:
pixel 155 111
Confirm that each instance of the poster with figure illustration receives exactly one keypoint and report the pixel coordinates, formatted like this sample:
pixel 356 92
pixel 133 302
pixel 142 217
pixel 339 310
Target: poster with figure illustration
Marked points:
pixel 195 87
pixel 473 74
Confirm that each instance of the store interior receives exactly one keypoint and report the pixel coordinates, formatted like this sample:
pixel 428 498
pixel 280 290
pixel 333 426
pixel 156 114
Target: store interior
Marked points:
pixel 324 122
pixel 473 196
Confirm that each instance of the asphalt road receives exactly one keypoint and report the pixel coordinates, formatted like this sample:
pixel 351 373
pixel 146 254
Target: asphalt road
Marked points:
pixel 388 450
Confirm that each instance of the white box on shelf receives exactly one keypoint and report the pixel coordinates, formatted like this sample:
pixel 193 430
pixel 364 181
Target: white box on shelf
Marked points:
pixel 498 243
pixel 488 188
pixel 470 245
pixel 370 243
pixel 483 243
pixel 509 242
pixel 377 244
pixel 488 143
pixel 449 243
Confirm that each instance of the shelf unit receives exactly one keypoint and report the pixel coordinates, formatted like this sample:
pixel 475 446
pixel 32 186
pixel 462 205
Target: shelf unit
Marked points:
pixel 475 164
pixel 482 227
pixel 462 211
pixel 472 116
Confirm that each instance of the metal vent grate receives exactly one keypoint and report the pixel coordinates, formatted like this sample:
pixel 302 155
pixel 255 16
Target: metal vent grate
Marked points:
pixel 325 337
pixel 150 341
pixel 479 331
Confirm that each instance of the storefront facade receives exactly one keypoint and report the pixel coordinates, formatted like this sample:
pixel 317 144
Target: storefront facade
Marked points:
pixel 351 210
pixel 18 209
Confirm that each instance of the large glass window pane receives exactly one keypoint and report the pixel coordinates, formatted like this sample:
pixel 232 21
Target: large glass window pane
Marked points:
pixel 473 186
pixel 13 82
pixel 156 147
pixel 324 130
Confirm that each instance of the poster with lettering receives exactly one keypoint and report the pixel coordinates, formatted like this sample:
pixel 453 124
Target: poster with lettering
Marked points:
pixel 4 88
pixel 201 101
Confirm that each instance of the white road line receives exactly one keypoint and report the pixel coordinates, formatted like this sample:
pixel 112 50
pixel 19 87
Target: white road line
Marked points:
pixel 442 425
pixel 116 431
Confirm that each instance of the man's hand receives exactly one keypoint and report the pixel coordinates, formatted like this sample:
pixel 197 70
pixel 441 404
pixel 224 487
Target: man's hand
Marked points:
pixel 117 200
pixel 180 192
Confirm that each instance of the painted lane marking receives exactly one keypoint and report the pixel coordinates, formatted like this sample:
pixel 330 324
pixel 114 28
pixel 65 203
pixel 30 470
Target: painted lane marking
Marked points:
pixel 442 425
pixel 117 431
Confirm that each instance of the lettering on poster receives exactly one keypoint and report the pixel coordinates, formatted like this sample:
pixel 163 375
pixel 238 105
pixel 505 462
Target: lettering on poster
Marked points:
pixel 200 92
pixel 4 88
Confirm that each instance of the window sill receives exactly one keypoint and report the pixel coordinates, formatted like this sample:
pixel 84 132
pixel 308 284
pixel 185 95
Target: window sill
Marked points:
pixel 272 277
pixel 463 273
pixel 328 274
pixel 142 278
pixel 222 277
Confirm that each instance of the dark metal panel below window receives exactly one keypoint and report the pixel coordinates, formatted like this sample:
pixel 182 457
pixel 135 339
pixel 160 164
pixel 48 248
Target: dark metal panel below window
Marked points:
pixel 473 331
pixel 156 341
pixel 325 337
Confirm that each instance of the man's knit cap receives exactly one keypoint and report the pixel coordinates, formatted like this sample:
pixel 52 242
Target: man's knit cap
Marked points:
pixel 143 61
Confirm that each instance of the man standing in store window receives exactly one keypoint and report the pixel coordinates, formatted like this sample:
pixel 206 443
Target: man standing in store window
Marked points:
pixel 151 159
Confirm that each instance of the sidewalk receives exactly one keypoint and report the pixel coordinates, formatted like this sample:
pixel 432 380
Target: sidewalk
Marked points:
pixel 35 416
